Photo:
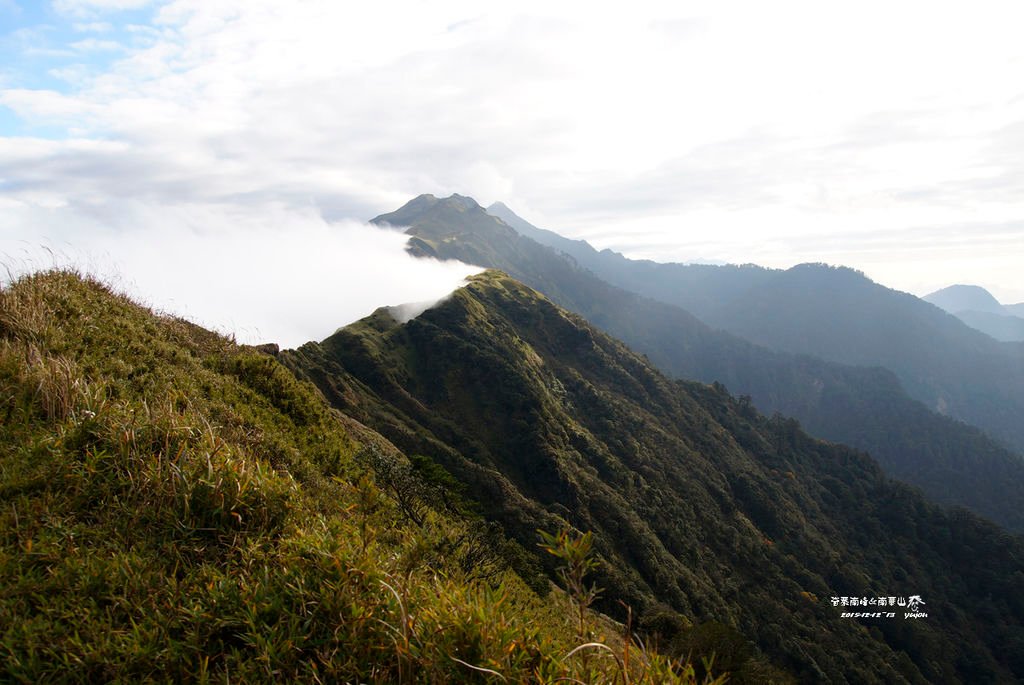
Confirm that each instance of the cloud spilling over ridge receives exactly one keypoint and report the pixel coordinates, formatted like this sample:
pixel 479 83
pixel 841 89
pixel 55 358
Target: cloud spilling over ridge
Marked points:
pixel 404 313
pixel 263 273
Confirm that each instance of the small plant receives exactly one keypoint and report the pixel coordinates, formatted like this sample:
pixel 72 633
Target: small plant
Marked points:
pixel 576 555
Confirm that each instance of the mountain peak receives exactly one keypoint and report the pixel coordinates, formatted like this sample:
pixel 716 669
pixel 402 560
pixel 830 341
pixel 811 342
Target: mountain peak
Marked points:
pixel 421 201
pixel 405 214
pixel 960 297
pixel 980 310
pixel 832 271
pixel 421 205
pixel 463 201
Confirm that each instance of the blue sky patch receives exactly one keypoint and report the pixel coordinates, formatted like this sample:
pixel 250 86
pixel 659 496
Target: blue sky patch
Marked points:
pixel 42 48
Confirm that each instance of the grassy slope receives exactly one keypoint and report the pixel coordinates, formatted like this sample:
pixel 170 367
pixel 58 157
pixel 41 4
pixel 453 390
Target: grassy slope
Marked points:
pixel 695 500
pixel 174 507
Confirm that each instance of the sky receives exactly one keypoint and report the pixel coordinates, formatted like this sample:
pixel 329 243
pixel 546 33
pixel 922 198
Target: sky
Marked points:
pixel 220 159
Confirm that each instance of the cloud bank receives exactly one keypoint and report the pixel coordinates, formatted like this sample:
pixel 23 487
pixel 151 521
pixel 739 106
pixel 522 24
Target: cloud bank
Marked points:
pixel 261 273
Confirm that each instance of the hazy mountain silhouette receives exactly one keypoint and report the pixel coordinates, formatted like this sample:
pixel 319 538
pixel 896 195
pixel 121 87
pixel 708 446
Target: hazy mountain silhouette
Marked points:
pixel 837 314
pixel 977 308
pixel 997 326
pixel 960 298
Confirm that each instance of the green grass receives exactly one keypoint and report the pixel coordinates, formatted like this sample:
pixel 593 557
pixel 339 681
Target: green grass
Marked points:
pixel 175 507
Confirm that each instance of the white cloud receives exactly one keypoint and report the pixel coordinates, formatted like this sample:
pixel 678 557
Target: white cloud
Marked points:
pixel 261 272
pixel 96 45
pixel 85 8
pixel 44 106
pixel 93 27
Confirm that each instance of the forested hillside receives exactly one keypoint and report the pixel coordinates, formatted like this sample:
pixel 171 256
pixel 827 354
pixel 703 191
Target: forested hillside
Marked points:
pixel 708 517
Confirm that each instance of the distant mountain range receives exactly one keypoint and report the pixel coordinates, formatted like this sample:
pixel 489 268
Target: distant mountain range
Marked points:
pixel 864 407
pixel 835 314
pixel 976 307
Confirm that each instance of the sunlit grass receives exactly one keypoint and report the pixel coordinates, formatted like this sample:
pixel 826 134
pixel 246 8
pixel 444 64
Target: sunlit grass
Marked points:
pixel 174 507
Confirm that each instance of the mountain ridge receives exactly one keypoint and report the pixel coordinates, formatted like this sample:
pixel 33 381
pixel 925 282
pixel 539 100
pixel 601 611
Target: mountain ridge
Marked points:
pixel 839 315
pixel 863 406
pixel 695 500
